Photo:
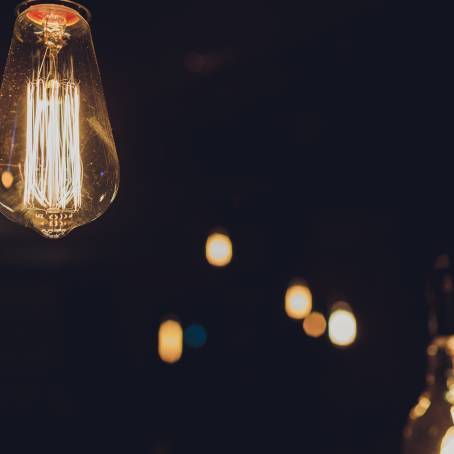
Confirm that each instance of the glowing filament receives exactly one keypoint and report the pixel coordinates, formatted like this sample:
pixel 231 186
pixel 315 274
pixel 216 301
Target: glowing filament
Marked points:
pixel 447 444
pixel 53 167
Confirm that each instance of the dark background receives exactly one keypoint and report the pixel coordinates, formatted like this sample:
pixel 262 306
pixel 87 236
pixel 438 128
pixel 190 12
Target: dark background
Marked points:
pixel 319 135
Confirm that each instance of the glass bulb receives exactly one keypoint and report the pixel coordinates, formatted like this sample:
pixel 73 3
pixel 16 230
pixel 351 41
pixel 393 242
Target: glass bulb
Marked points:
pixel 342 325
pixel 298 300
pixel 170 341
pixel 430 426
pixel 58 163
pixel 219 249
pixel 314 324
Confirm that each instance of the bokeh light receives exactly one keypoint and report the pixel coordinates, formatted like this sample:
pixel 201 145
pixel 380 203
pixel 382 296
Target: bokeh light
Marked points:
pixel 219 249
pixel 315 324
pixel 298 301
pixel 342 327
pixel 7 179
pixel 195 336
pixel 170 341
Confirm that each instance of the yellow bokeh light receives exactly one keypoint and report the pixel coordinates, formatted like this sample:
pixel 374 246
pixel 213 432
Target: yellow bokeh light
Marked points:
pixel 314 324
pixel 447 444
pixel 7 179
pixel 342 328
pixel 219 249
pixel 170 341
pixel 298 301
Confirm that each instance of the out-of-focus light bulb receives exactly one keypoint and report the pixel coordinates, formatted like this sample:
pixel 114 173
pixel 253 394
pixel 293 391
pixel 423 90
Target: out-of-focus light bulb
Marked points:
pixel 298 301
pixel 342 327
pixel 218 249
pixel 54 126
pixel 315 324
pixel 170 341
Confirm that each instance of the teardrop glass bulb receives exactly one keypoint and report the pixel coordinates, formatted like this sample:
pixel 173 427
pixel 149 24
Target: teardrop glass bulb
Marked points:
pixel 58 162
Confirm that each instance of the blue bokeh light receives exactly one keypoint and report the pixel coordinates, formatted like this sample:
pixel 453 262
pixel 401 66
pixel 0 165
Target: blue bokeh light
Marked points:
pixel 195 336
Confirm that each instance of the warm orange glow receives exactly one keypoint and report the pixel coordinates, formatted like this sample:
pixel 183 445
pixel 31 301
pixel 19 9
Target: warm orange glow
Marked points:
pixel 38 14
pixel 342 328
pixel 7 179
pixel 314 324
pixel 447 444
pixel 219 249
pixel 170 341
pixel 298 301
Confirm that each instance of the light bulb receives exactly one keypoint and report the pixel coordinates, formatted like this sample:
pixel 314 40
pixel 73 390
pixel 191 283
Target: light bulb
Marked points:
pixel 298 300
pixel 218 249
pixel 58 163
pixel 314 324
pixel 342 326
pixel 170 341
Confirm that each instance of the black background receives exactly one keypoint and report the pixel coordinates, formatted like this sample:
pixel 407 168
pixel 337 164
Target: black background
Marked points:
pixel 319 135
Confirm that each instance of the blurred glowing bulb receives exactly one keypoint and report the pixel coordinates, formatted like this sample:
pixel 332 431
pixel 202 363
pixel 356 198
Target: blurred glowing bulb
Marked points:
pixel 170 341
pixel 342 328
pixel 298 301
pixel 219 249
pixel 447 444
pixel 314 324
pixel 7 179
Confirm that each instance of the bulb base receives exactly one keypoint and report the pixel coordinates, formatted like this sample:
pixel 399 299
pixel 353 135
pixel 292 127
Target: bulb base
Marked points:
pixel 52 224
